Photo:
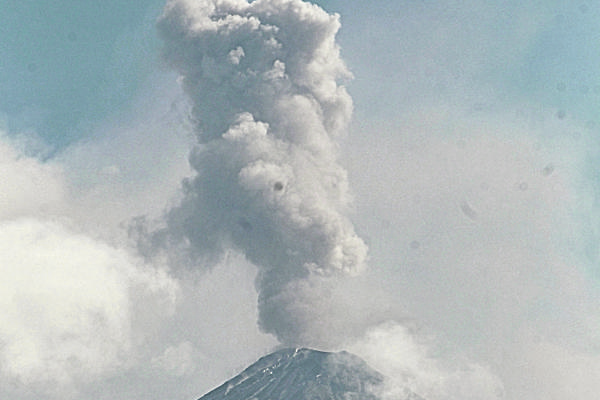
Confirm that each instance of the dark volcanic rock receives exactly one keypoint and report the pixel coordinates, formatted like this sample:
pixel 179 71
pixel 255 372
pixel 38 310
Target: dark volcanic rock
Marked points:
pixel 302 374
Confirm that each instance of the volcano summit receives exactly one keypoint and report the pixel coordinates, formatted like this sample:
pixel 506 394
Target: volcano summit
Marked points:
pixel 305 374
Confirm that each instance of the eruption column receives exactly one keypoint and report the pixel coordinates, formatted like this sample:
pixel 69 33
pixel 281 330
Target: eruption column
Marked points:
pixel 267 106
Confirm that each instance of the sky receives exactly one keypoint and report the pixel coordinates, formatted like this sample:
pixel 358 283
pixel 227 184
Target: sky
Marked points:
pixel 189 185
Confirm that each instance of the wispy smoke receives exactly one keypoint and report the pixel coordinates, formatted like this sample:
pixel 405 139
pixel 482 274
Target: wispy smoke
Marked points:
pixel 264 79
pixel 409 362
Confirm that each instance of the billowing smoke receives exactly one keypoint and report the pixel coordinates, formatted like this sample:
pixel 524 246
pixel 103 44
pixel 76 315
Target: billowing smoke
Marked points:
pixel 264 79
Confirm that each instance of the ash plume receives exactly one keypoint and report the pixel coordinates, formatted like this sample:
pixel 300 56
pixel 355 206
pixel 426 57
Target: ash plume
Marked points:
pixel 264 80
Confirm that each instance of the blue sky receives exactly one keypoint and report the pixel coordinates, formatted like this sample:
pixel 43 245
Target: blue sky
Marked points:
pixel 472 165
pixel 67 65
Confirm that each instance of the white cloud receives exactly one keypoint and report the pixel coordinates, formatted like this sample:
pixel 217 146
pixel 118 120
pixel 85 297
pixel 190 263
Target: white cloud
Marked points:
pixel 408 360
pixel 29 187
pixel 69 302
pixel 66 303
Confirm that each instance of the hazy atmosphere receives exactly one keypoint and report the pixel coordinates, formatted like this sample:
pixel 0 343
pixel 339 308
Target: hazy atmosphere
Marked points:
pixel 189 185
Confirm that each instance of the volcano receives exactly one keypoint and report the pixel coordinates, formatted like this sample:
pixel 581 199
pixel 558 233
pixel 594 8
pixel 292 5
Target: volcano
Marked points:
pixel 305 374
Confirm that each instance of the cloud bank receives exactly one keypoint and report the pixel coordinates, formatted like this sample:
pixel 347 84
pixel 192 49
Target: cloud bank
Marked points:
pixel 268 106
pixel 67 299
